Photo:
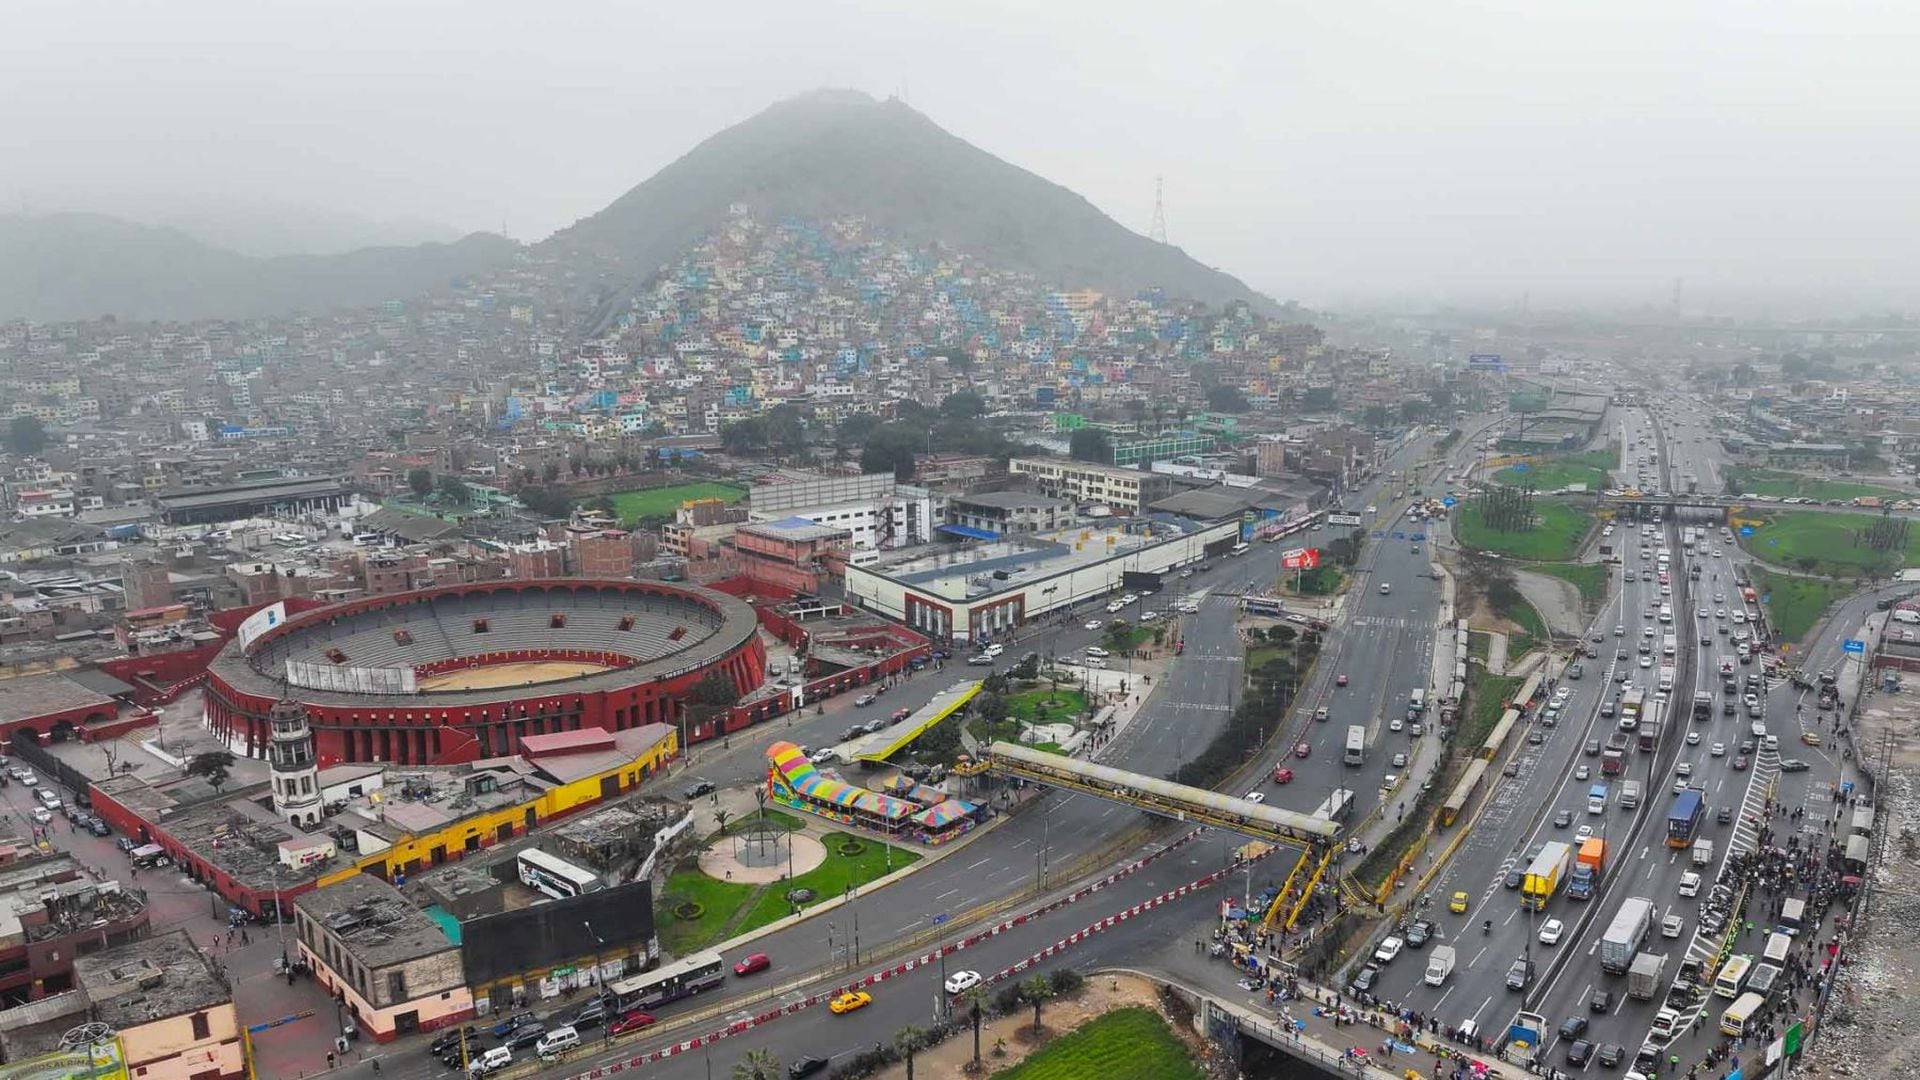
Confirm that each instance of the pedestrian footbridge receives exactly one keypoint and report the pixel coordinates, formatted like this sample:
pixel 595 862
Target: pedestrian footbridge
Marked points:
pixel 1164 797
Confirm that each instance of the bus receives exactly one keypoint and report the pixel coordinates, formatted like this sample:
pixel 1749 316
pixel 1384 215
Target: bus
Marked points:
pixel 1793 914
pixel 669 982
pixel 1733 977
pixel 1262 605
pixel 1462 792
pixel 1737 1020
pixel 557 878
pixel 1356 745
pixel 1778 947
pixel 1491 748
pixel 1336 806
pixel 1685 817
pixel 1239 549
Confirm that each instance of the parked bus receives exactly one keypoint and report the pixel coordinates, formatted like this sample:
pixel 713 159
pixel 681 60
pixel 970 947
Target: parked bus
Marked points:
pixel 1778 946
pixel 1456 803
pixel 1793 914
pixel 1356 745
pixel 1737 1021
pixel 1262 605
pixel 555 877
pixel 670 982
pixel 1733 977
pixel 1684 819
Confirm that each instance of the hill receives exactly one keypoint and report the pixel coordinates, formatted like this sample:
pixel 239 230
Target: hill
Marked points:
pixel 834 153
pixel 82 266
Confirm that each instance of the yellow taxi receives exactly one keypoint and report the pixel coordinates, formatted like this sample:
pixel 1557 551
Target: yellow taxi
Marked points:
pixel 1811 738
pixel 1459 903
pixel 849 1001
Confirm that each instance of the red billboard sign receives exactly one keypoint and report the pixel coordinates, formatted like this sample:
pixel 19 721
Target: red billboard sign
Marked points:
pixel 1300 559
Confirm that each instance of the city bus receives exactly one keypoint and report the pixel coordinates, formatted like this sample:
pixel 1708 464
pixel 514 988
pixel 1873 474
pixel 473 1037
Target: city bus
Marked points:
pixel 1689 808
pixel 1735 1022
pixel 557 878
pixel 670 982
pixel 1733 977
pixel 1336 806
pixel 1793 913
pixel 1356 745
pixel 1778 947
pixel 1239 549
pixel 1262 605
pixel 1462 792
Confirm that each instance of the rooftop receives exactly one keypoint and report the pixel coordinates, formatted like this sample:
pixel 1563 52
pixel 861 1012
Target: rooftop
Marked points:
pixel 149 979
pixel 252 491
pixel 38 695
pixel 796 529
pixel 1009 500
pixel 374 921
pixel 976 570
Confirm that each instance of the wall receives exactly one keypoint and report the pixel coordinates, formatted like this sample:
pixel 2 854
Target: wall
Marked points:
pixel 449 1003
pixel 167 1050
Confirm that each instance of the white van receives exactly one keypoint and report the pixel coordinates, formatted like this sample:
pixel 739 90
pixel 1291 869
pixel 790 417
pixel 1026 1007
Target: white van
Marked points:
pixel 1666 613
pixel 495 1059
pixel 558 1040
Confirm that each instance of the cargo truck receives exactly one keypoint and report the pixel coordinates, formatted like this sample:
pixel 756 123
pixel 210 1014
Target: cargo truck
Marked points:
pixel 1667 676
pixel 1629 794
pixel 1632 703
pixel 1702 705
pixel 1588 864
pixel 1543 878
pixel 1649 733
pixel 1439 964
pixel 1703 851
pixel 1626 934
pixel 1643 978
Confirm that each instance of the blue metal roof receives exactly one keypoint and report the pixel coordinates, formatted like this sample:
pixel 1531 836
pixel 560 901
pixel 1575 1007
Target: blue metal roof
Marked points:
pixel 969 532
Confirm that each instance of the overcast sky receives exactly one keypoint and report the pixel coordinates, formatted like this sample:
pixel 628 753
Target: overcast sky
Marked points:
pixel 1402 150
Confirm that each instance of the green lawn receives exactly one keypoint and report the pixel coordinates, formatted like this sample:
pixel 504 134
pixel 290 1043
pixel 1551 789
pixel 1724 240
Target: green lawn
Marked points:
pixel 830 878
pixel 631 506
pixel 1826 543
pixel 1320 581
pixel 1788 485
pixel 1555 536
pixel 1589 578
pixel 1533 630
pixel 1043 706
pixel 1795 604
pixel 1125 1044
pixel 1487 698
pixel 1478 645
pixel 777 819
pixel 721 899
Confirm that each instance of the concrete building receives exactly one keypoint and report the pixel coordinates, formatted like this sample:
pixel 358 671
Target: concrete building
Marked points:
pixel 603 553
pixel 391 964
pixel 295 773
pixel 794 553
pixel 1008 513
pixel 878 512
pixel 50 912
pixel 540 559
pixel 1124 491
pixel 174 1013
pixel 146 582
pixel 279 496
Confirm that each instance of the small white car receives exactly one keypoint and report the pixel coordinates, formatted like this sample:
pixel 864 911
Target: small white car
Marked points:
pixel 1388 949
pixel 1718 749
pixel 1094 624
pixel 42 815
pixel 1581 772
pixel 1095 650
pixel 1684 768
pixel 1689 884
pixel 1395 724
pixel 1583 834
pixel 1672 925
pixel 961 981
pixel 1551 930
pixel 1693 738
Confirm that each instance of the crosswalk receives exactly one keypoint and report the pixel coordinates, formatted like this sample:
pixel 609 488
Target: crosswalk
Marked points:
pixel 1390 622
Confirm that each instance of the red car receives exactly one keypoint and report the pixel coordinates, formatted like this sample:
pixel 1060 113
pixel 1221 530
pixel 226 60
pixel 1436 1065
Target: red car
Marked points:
pixel 751 963
pixel 1740 762
pixel 1283 775
pixel 1341 681
pixel 1303 750
pixel 633 1021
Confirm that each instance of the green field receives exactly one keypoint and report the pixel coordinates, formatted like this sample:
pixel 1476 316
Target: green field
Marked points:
pixel 875 860
pixel 721 900
pixel 1825 543
pixel 1555 473
pixel 1044 706
pixel 1795 604
pixel 1788 485
pixel 1320 581
pixel 1555 537
pixel 1125 1044
pixel 661 502
pixel 1589 578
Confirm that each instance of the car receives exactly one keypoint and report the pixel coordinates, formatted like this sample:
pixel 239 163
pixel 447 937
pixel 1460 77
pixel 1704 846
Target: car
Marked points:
pixel 1396 724
pixel 805 1066
pixel 1689 884
pixel 751 963
pixel 1811 738
pixel 1419 933
pixel 1386 588
pixel 850 1001
pixel 1646 660
pixel 1610 1055
pixel 1093 662
pixel 97 827
pixel 1320 714
pixel 1389 948
pixel 1283 776
pixel 873 726
pixel 1573 1027
pixel 865 700
pixel 1256 796
pixel 1679 784
pixel 1705 641
pixel 1702 613
pixel 1593 748
pixel 1671 926
pixel 1619 631
pixel 524 1036
pixel 698 788
pixel 1579 1052
pixel 633 1021
pixel 1647 632
pixel 1693 738
pixel 1340 680
pixel 1759 727
pixel 1684 768
pixel 1535 737
pixel 1574 671
pixel 1794 765
pixel 1514 877
pixel 42 815
pixel 1458 903
pixel 1520 974
pixel 29 779
pixel 511 1024
pixel 450 1040
pixel 1512 768
pixel 1740 763
pixel 1095 650
pixel 1581 771
pixel 1623 676
pixel 1600 1002
pixel 1746 746
pixel 1092 624
pixel 1551 930
pixel 1364 981
pixel 1302 749
pixel 1724 815
pixel 1399 761
pixel 962 981
pixel 980 661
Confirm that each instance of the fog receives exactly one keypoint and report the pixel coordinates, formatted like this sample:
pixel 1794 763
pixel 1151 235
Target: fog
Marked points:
pixel 1398 152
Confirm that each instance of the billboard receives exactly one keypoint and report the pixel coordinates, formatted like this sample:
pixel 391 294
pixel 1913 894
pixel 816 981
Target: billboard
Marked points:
pixel 1300 559
pixel 606 924
pixel 351 680
pixel 1486 362
pixel 262 621
pixel 1352 520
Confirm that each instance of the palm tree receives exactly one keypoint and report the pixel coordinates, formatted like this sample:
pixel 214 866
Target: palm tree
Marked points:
pixel 757 1065
pixel 975 1000
pixel 1037 990
pixel 720 818
pixel 907 1040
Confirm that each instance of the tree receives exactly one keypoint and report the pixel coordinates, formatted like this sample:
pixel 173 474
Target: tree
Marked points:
pixel 893 448
pixel 1375 416
pixel 759 1064
pixel 26 435
pixel 715 688
pixel 215 766
pixel 1091 444
pixel 975 1000
pixel 908 1040
pixel 1037 991
pixel 963 405
pixel 720 818
pixel 454 490
pixel 1743 374
pixel 549 470
pixel 1227 399
pixel 990 708
pixel 855 429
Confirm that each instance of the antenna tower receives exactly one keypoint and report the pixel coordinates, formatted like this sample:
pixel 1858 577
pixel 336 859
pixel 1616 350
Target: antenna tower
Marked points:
pixel 1158 230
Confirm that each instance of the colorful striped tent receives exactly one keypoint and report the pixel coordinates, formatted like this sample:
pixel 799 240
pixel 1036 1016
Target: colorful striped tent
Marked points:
pixel 799 775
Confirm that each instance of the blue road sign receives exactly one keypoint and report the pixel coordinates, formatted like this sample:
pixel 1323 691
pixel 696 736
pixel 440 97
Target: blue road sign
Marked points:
pixel 1746 530
pixel 1448 501
pixel 1853 645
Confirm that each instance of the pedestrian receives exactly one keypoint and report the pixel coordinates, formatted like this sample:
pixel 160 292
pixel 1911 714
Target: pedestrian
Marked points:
pixel 329 1059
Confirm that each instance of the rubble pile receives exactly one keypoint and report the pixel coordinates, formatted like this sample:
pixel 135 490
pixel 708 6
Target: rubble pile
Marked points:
pixel 1872 1028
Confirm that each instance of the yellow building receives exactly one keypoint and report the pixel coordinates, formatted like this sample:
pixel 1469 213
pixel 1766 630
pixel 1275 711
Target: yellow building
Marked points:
pixel 173 1012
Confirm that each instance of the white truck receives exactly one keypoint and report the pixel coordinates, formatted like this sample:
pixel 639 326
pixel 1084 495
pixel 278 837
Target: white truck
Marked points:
pixel 1625 934
pixel 1643 978
pixel 1629 794
pixel 1703 851
pixel 1439 964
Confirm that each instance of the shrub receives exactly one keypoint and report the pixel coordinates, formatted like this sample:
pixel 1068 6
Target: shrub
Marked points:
pixel 1066 981
pixel 688 911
